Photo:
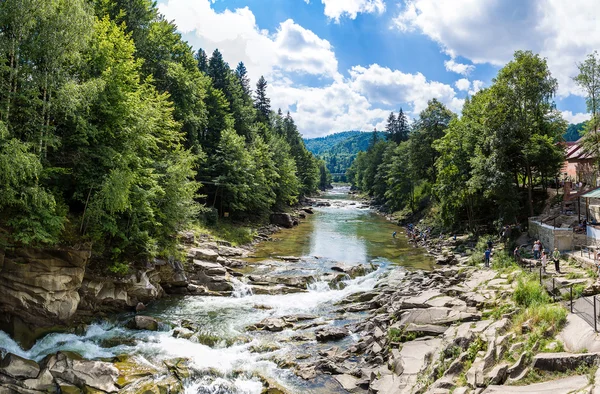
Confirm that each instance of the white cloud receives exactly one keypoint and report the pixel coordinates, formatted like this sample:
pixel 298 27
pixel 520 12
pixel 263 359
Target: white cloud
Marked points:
pixel 359 102
pixel 490 31
pixel 459 68
pixel 235 33
pixel 463 84
pixel 575 118
pixel 335 9
pixel 476 86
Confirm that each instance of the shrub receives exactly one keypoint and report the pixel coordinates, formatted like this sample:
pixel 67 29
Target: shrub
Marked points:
pixel 545 319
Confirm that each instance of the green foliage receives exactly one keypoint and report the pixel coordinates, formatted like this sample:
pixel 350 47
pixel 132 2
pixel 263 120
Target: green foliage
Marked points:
pixel 529 292
pixel 574 132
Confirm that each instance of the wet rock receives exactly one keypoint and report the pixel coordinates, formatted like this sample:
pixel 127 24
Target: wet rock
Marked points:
pixel 274 324
pixel 308 210
pixel 94 374
pixel 18 367
pixel 331 333
pixel 282 219
pixel 144 323
pixel 140 307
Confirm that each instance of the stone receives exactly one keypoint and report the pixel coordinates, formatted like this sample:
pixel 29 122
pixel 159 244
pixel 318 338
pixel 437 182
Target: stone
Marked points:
pixel 40 286
pixel 97 375
pixel 273 324
pixel 348 382
pixel 140 307
pixel 439 315
pixel 561 362
pixel 204 254
pixel 427 329
pixel 144 323
pixel 497 375
pixel 571 384
pixel 331 333
pixel 19 367
pixel 282 219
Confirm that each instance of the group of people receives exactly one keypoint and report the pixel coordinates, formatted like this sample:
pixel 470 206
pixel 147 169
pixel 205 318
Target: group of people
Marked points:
pixel 539 253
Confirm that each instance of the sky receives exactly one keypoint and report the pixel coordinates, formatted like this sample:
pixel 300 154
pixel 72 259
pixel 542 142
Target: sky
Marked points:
pixel 339 65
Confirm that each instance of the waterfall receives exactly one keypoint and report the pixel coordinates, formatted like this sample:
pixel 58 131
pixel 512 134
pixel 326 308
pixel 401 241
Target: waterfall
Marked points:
pixel 240 289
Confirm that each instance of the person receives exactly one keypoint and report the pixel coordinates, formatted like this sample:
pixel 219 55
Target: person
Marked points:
pixel 489 244
pixel 517 255
pixel 394 234
pixel 487 254
pixel 556 259
pixel 536 250
pixel 544 261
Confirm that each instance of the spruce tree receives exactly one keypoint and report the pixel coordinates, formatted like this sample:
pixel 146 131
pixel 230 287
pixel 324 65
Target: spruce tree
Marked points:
pixel 218 70
pixel 402 128
pixel 202 60
pixel 261 102
pixel 390 127
pixel 242 75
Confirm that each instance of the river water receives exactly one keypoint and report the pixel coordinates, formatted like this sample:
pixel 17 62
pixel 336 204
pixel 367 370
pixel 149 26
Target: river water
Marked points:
pixel 235 360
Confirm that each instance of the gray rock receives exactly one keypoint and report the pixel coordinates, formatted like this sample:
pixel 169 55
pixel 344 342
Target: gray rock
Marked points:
pixel 18 367
pixel 348 382
pixel 497 375
pixel 561 362
pixel 95 374
pixel 204 254
pixel 331 333
pixel 144 323
pixel 567 385
pixel 282 219
pixel 273 324
pixel 437 316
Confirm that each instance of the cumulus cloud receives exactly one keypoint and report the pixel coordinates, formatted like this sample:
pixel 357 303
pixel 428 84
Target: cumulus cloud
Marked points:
pixel 490 31
pixel 459 68
pixel 335 9
pixel 360 101
pixel 291 48
pixel 463 84
pixel 476 86
pixel 575 118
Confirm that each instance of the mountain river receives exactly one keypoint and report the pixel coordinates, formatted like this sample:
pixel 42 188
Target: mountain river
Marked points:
pixel 235 359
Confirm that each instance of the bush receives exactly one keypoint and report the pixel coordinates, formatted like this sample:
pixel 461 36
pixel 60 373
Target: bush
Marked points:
pixel 530 292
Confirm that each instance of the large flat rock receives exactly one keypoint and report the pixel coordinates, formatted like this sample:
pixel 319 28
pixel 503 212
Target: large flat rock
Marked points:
pixel 562 362
pixel 571 384
pixel 578 335
pixel 437 315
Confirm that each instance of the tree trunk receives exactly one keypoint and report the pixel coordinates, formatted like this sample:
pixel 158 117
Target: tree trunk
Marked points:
pixel 529 190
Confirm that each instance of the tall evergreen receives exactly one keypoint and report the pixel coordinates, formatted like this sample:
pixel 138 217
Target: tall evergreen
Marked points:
pixel 218 70
pixel 242 75
pixel 202 60
pixel 390 127
pixel 402 127
pixel 261 102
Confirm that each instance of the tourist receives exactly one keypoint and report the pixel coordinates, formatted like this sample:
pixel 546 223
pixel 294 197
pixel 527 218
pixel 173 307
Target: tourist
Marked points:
pixel 544 261
pixel 556 259
pixel 517 255
pixel 394 234
pixel 487 255
pixel 489 244
pixel 536 250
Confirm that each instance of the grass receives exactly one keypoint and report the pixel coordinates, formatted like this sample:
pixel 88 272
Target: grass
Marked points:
pixel 234 233
pixel 544 320
pixel 575 275
pixel 529 292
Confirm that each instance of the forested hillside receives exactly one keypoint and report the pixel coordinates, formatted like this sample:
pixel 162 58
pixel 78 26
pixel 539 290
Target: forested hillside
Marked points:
pixel 114 131
pixel 487 167
pixel 574 131
pixel 339 150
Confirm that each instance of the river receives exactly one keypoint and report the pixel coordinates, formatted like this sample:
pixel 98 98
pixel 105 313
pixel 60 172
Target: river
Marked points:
pixel 234 360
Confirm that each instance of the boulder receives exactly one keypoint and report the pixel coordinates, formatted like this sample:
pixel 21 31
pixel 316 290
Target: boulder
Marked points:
pixel 308 210
pixel 348 382
pixel 282 219
pixel 331 333
pixel 561 362
pixel 572 384
pixel 437 316
pixel 144 323
pixel 273 324
pixel 96 375
pixel 203 254
pixel 19 367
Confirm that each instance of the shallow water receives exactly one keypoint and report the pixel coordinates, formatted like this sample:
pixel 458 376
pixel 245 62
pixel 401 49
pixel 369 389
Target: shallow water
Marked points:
pixel 341 234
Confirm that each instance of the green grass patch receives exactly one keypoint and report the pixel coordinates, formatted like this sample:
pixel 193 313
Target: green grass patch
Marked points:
pixel 235 233
pixel 544 320
pixel 575 275
pixel 529 292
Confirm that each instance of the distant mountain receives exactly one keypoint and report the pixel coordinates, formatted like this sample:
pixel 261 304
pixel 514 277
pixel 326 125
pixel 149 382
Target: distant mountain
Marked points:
pixel 339 150
pixel 574 131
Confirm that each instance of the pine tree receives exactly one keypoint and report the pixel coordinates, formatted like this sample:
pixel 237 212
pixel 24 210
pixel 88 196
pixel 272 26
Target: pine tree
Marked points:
pixel 242 75
pixel 218 70
pixel 202 60
pixel 390 127
pixel 261 102
pixel 374 139
pixel 402 128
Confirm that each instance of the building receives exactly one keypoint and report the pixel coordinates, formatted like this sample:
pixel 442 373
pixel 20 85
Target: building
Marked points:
pixel 579 166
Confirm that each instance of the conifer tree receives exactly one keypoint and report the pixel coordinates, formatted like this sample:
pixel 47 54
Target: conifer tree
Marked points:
pixel 202 60
pixel 242 75
pixel 261 102
pixel 402 128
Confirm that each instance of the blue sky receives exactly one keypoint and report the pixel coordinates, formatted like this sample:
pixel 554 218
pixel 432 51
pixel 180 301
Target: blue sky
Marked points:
pixel 345 64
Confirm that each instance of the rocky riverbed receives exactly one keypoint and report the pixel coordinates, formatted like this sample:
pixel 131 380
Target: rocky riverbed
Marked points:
pixel 318 315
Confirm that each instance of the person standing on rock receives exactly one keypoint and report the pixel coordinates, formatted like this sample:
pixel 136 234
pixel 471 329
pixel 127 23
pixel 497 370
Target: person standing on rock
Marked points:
pixel 544 261
pixel 394 234
pixel 556 259
pixel 517 255
pixel 487 255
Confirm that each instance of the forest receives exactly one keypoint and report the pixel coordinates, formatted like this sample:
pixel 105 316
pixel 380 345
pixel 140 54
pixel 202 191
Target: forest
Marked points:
pixel 487 167
pixel 116 133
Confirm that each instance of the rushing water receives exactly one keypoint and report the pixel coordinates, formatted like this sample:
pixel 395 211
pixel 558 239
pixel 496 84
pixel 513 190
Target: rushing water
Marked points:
pixel 229 362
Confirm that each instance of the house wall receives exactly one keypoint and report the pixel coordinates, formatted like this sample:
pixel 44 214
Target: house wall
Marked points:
pixel 551 237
